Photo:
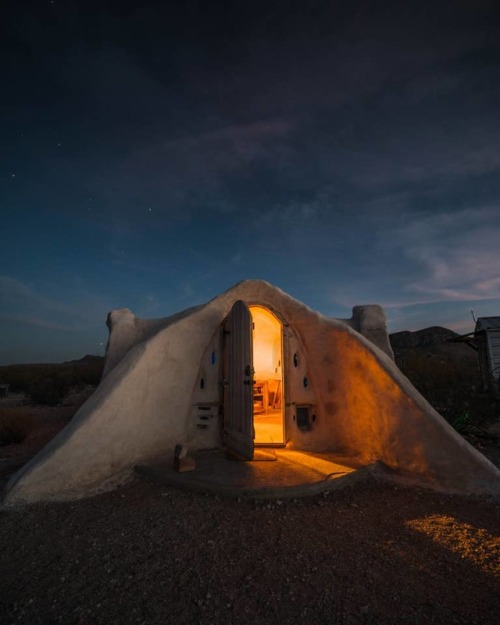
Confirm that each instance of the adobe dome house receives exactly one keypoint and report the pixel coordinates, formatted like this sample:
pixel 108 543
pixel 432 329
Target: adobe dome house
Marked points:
pixel 251 367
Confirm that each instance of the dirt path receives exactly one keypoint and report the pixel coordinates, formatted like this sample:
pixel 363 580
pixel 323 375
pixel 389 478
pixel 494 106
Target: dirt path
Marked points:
pixel 148 554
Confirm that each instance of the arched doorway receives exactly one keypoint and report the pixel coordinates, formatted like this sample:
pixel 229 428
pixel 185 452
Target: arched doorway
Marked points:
pixel 268 396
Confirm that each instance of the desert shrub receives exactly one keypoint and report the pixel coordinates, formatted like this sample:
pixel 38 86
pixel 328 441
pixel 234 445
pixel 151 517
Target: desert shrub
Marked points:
pixel 452 386
pixel 91 373
pixel 48 391
pixel 461 422
pixel 50 383
pixel 16 376
pixel 15 427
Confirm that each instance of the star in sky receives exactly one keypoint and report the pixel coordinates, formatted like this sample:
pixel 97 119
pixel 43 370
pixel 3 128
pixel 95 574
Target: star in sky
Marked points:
pixel 345 152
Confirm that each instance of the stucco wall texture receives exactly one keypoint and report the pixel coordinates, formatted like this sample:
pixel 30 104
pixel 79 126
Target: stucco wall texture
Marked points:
pixel 364 406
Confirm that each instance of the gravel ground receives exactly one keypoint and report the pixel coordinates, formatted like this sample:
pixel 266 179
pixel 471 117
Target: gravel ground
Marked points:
pixel 373 553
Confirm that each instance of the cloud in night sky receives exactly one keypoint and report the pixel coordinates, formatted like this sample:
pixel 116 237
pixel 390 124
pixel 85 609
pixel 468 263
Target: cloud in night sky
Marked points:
pixel 154 154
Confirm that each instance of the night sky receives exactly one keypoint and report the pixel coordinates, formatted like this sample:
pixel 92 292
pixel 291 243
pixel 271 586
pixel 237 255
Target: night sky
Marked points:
pixel 153 154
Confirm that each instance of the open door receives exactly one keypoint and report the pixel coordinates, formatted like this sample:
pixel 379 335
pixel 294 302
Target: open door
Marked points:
pixel 238 431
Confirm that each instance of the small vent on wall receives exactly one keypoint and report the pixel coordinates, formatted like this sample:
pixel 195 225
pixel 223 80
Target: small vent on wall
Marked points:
pixel 304 419
pixel 203 420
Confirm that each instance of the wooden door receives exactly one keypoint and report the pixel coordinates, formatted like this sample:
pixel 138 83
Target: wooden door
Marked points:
pixel 238 432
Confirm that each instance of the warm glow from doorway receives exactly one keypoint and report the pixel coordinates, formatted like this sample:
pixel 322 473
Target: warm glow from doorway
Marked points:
pixel 266 344
pixel 268 377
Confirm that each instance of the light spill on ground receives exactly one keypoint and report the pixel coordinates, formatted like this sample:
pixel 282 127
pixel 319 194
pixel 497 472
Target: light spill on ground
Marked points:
pixel 476 544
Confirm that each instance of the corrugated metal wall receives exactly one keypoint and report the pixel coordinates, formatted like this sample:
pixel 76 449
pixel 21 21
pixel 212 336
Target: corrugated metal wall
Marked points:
pixel 493 337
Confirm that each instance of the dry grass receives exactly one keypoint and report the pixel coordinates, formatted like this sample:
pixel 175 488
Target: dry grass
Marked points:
pixel 48 384
pixel 15 425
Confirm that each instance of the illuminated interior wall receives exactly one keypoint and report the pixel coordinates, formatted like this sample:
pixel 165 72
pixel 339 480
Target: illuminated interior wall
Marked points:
pixel 267 359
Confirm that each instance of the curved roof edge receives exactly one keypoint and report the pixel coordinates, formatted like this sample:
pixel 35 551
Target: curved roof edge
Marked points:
pixel 127 330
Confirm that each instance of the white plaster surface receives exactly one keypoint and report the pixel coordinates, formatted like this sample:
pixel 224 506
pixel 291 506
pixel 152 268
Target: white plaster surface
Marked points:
pixel 149 398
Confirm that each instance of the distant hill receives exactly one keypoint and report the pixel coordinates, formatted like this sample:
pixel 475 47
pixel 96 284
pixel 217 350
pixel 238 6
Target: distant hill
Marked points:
pixel 89 359
pixel 434 343
pixel 421 338
pixel 85 361
pixel 50 383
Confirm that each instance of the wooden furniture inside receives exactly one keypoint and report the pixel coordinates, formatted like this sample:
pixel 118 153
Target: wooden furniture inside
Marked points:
pixel 260 396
